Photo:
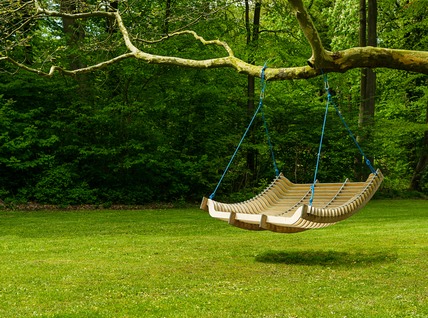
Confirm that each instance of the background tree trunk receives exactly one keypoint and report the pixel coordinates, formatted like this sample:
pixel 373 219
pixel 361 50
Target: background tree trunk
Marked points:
pixel 167 17
pixel 422 164
pixel 252 38
pixel 113 6
pixel 28 49
pixel 368 36
pixel 74 33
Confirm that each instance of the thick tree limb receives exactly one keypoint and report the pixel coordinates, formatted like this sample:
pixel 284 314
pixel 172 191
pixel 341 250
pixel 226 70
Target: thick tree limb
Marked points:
pixel 320 61
pixel 373 57
pixel 342 62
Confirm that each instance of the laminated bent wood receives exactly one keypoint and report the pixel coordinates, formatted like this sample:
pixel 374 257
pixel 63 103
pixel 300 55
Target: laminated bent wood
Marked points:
pixel 284 206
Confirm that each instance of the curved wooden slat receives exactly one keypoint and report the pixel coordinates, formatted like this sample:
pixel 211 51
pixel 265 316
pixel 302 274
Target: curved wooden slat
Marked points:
pixel 284 206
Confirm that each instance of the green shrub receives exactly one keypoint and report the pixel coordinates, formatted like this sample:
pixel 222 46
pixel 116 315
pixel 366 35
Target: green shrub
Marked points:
pixel 61 185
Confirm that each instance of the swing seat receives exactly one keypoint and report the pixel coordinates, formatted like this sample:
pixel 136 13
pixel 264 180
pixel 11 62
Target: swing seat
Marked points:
pixel 284 206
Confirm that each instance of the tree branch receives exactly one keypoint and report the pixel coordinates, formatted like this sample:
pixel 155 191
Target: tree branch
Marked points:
pixel 61 70
pixel 196 36
pixel 321 59
pixel 343 61
pixel 374 57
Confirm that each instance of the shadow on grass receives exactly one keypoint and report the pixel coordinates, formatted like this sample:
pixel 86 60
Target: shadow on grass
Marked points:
pixel 325 258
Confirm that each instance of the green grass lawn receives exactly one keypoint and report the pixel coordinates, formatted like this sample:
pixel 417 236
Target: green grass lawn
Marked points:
pixel 182 263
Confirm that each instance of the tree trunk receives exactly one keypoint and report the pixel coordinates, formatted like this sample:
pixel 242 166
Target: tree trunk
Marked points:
pixel 167 17
pixel 28 49
pixel 74 33
pixel 422 164
pixel 368 36
pixel 113 6
pixel 252 38
pixel 371 75
pixel 363 85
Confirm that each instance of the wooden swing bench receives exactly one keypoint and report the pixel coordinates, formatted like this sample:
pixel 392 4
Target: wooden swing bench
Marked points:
pixel 284 206
pixel 288 207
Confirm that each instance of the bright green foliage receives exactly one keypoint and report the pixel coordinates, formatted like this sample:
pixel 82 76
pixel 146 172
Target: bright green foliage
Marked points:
pixel 26 143
pixel 342 20
pixel 402 123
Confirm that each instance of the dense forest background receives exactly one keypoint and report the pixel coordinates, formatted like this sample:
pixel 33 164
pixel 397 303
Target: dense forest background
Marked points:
pixel 136 133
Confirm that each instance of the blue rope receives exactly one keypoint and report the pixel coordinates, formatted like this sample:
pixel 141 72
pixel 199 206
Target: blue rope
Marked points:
pixel 262 93
pixel 262 90
pixel 319 149
pixel 275 166
pixel 366 160
pixel 330 101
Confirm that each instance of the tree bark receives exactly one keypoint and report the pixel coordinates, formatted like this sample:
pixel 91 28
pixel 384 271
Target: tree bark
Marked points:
pixel 73 31
pixel 363 84
pixel 422 164
pixel 368 36
pixel 28 49
pixel 252 39
pixel 113 6
pixel 371 41
pixel 167 17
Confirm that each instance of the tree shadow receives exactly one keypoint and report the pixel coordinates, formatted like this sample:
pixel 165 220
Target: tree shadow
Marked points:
pixel 324 258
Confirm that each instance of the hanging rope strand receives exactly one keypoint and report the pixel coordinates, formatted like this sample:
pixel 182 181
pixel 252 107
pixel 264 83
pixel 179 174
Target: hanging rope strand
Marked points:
pixel 262 93
pixel 275 166
pixel 331 101
pixel 320 145
pixel 366 160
